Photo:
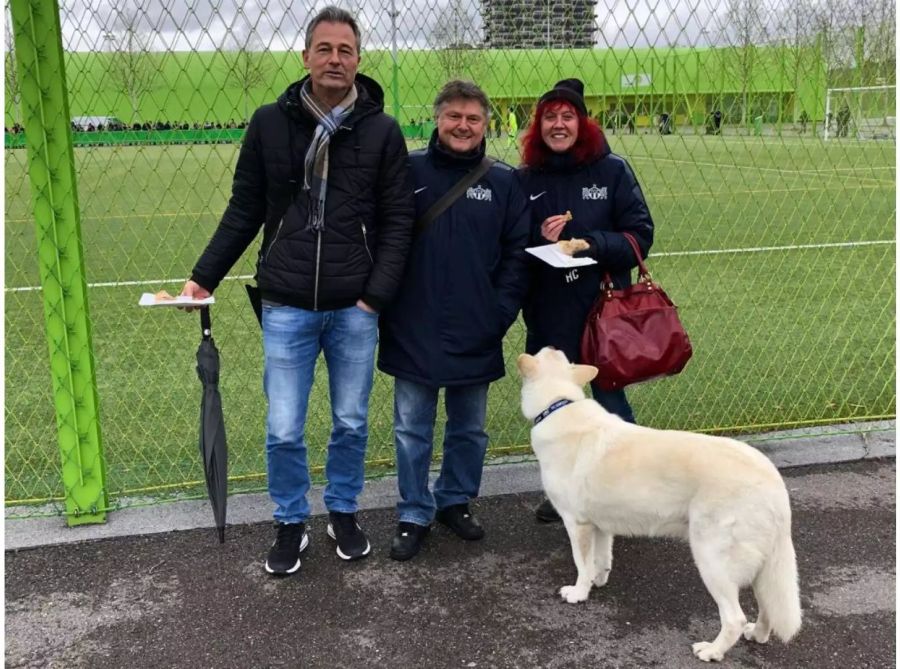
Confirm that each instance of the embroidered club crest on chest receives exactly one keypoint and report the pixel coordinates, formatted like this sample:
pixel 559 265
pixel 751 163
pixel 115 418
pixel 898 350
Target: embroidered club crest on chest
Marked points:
pixel 593 193
pixel 479 193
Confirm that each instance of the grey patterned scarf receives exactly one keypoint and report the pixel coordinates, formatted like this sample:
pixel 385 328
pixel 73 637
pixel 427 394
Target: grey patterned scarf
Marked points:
pixel 315 174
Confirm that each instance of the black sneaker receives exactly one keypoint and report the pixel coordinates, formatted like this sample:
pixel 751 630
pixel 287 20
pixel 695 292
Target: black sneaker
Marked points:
pixel 461 521
pixel 408 541
pixel 291 539
pixel 546 513
pixel 351 542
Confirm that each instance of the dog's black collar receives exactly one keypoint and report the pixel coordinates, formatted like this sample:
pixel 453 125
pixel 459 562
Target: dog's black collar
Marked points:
pixel 559 404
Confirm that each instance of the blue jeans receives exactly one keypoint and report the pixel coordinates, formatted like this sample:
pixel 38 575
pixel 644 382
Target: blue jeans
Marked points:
pixel 465 443
pixel 292 340
pixel 615 402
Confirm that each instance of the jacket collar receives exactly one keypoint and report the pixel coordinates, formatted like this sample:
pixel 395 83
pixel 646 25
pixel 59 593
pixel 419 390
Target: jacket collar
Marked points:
pixel 565 163
pixel 444 157
pixel 370 100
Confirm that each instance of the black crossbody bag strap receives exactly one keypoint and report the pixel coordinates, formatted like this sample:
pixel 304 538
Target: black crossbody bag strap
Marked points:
pixel 453 194
pixel 427 219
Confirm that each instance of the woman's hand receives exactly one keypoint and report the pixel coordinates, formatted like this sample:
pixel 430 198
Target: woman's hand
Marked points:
pixel 553 225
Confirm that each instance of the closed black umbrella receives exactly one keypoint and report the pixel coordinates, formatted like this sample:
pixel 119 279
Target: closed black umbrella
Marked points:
pixel 213 447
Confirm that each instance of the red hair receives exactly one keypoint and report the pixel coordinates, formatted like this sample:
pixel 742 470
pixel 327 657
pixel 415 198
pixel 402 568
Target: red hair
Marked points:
pixel 589 144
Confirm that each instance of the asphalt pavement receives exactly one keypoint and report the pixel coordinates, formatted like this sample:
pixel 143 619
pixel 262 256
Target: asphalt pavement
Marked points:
pixel 179 599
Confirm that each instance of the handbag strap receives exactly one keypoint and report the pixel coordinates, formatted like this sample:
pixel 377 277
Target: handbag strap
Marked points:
pixel 637 253
pixel 453 194
pixel 644 273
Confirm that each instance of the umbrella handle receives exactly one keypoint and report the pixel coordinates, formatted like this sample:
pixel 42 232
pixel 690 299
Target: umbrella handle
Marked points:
pixel 205 323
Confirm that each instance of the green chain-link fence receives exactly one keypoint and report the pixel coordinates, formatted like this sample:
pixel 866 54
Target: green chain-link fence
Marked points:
pixel 763 133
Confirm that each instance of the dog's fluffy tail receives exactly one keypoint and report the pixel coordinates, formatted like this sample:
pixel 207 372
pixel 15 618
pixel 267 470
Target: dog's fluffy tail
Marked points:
pixel 777 590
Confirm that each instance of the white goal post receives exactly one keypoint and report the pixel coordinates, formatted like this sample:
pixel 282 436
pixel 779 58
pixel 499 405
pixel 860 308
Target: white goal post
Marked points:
pixel 862 112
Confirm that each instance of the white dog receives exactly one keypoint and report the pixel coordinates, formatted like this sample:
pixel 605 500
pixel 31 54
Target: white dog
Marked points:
pixel 608 477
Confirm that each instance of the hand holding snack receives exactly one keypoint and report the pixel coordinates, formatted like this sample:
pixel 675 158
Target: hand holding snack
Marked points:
pixel 572 246
pixel 553 225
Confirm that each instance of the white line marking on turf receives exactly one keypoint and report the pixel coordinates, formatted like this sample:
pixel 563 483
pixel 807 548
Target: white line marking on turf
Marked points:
pixel 756 191
pixel 119 284
pixel 669 254
pixel 760 249
pixel 785 140
pixel 777 170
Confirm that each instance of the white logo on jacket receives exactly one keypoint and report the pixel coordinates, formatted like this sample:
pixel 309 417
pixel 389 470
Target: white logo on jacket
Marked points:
pixel 479 193
pixel 593 193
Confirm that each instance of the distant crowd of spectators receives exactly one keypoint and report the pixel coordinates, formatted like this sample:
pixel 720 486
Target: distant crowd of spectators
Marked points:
pixel 166 125
pixel 15 128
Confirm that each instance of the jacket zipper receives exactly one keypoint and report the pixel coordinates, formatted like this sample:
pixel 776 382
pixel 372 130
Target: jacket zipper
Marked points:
pixel 274 238
pixel 318 261
pixel 366 244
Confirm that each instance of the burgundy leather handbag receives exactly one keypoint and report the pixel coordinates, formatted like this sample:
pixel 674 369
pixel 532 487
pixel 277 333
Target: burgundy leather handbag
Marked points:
pixel 633 334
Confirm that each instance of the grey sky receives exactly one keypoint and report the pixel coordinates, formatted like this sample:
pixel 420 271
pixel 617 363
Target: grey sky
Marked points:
pixel 203 25
pixel 278 25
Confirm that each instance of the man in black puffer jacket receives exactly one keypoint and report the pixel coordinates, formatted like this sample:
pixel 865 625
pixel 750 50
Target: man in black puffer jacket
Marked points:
pixel 465 281
pixel 324 172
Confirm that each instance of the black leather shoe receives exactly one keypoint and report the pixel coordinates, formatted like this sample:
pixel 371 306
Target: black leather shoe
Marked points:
pixel 408 541
pixel 546 513
pixel 459 519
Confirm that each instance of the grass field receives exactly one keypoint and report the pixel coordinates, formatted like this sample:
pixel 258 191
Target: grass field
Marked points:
pixel 780 253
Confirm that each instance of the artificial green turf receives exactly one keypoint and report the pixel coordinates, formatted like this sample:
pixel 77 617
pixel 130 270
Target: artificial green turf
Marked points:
pixel 781 337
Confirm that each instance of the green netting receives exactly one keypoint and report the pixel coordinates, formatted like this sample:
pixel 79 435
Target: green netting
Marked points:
pixel 777 245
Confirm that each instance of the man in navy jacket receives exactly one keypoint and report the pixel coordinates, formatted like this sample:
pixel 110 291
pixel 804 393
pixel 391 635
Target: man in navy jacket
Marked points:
pixel 463 286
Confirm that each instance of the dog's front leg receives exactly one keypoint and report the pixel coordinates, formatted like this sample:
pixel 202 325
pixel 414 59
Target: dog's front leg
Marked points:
pixel 581 537
pixel 603 543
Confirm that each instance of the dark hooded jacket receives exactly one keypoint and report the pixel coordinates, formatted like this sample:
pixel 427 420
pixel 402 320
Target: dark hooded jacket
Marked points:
pixel 368 207
pixel 466 277
pixel 605 200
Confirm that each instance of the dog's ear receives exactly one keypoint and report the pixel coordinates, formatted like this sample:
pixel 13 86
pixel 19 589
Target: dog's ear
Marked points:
pixel 526 364
pixel 584 373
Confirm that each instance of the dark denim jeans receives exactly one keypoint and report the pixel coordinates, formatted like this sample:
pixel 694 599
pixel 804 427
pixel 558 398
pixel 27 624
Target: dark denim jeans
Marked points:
pixel 465 444
pixel 615 402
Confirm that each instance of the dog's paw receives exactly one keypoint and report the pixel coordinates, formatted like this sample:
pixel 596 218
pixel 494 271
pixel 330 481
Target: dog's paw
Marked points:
pixel 706 652
pixel 573 594
pixel 751 633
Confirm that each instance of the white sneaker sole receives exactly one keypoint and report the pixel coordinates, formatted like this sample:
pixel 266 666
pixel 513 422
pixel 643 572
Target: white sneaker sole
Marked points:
pixel 341 555
pixel 304 542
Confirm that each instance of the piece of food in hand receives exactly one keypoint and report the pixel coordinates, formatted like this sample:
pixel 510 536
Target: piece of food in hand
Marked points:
pixel 572 246
pixel 568 216
pixel 163 296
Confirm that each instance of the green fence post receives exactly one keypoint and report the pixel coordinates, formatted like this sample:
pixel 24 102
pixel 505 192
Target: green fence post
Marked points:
pixel 51 169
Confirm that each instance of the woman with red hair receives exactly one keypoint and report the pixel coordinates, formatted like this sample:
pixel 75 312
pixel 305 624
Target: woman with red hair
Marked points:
pixel 579 190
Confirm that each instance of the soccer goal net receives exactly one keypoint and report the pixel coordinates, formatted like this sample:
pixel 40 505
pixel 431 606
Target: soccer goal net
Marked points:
pixel 866 112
